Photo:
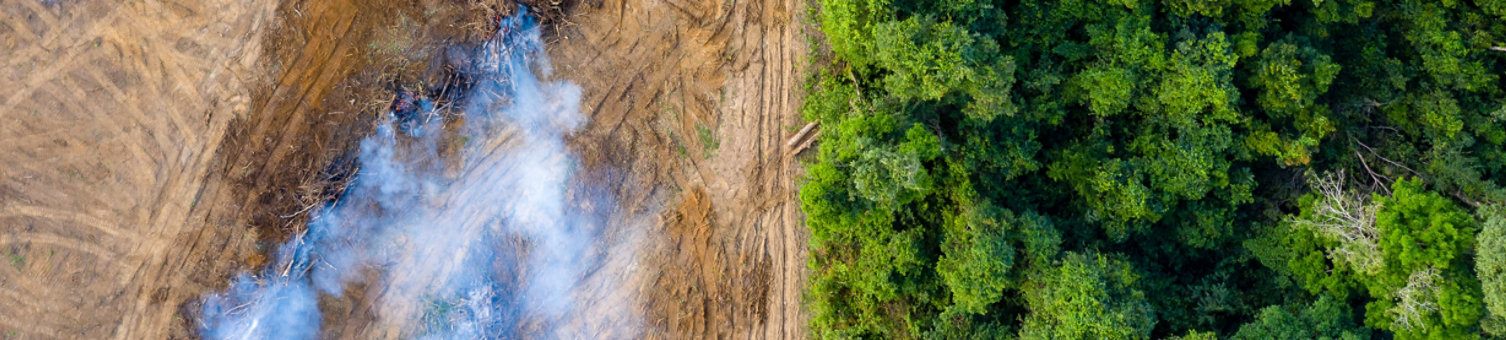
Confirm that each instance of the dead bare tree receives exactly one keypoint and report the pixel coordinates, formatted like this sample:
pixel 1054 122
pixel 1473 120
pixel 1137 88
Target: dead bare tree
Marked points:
pixel 1348 217
pixel 1417 299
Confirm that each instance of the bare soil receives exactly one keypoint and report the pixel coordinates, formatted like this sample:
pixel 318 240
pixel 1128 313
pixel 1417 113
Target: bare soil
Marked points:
pixel 114 114
pixel 151 148
pixel 696 99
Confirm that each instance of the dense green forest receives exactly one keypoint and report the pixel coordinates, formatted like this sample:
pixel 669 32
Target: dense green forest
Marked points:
pixel 1246 169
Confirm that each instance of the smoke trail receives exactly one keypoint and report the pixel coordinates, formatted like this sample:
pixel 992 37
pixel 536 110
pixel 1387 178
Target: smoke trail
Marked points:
pixel 489 248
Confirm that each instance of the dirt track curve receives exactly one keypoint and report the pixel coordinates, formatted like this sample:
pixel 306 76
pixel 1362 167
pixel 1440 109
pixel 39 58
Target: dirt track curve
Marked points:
pixel 112 114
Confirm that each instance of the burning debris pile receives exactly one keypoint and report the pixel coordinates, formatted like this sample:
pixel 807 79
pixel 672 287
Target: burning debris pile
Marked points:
pixel 492 249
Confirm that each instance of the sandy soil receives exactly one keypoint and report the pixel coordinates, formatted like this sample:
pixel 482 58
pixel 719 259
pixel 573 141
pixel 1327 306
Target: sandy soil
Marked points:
pixel 151 148
pixel 113 115
pixel 696 100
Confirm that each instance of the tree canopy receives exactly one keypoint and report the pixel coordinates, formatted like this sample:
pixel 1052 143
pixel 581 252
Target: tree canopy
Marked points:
pixel 1153 169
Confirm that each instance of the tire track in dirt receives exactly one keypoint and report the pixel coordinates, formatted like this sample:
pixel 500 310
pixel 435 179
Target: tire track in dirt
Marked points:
pixel 694 100
pixel 118 115
pixel 333 66
pixel 117 234
pixel 119 108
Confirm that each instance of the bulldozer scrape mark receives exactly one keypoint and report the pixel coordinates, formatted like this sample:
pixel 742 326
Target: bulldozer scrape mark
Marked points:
pixel 114 148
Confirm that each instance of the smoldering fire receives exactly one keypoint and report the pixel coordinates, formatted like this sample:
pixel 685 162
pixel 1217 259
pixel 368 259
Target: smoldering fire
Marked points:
pixel 444 241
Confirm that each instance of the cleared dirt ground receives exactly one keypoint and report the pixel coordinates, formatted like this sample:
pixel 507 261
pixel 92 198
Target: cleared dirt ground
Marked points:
pixel 113 114
pixel 151 148
pixel 697 99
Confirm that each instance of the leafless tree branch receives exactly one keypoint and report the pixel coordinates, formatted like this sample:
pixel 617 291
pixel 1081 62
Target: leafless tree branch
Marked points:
pixel 1417 299
pixel 1349 218
pixel 1383 158
pixel 1373 176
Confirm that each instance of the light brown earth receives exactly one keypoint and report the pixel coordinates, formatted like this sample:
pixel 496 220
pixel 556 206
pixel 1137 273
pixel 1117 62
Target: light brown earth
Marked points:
pixel 698 98
pixel 113 114
pixel 151 148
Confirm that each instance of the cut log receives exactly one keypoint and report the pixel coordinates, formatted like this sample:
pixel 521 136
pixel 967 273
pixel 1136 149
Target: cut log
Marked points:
pixel 800 135
pixel 805 145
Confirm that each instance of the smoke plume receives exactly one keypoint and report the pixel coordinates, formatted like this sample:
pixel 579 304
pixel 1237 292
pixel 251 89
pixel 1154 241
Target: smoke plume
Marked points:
pixel 492 241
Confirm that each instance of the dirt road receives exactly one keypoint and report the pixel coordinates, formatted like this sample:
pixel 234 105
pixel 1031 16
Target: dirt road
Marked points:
pixel 113 113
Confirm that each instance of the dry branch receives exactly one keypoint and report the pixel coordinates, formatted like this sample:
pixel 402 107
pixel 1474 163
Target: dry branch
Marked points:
pixel 1417 299
pixel 1373 176
pixel 1349 218
pixel 1388 160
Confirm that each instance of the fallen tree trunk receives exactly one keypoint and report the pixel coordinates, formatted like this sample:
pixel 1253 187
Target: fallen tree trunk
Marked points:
pixel 800 135
pixel 807 144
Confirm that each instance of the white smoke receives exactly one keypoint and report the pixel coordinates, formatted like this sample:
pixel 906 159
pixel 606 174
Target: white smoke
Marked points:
pixel 493 247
